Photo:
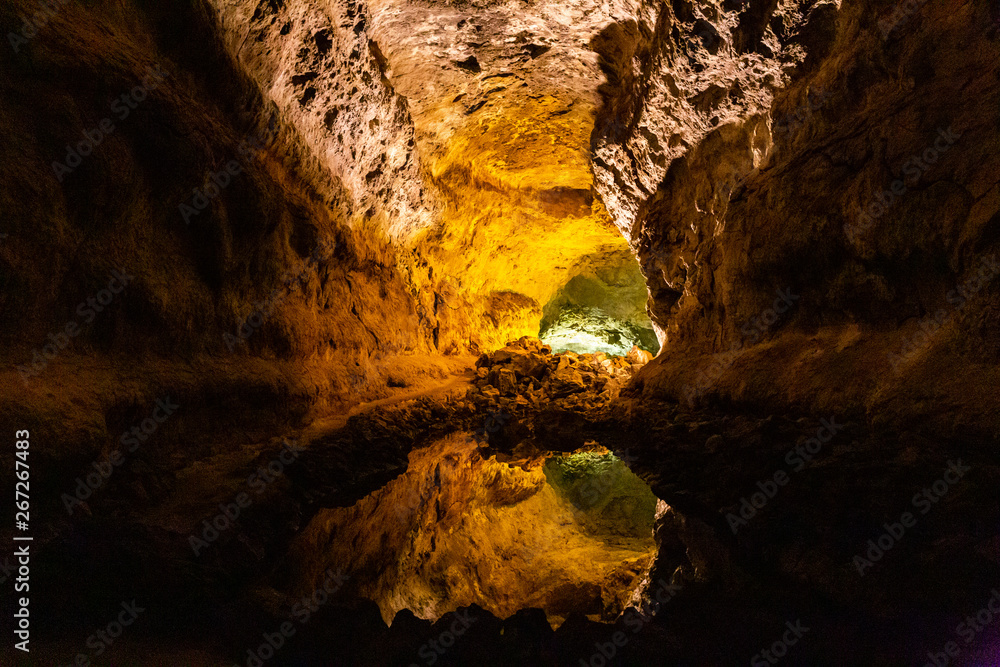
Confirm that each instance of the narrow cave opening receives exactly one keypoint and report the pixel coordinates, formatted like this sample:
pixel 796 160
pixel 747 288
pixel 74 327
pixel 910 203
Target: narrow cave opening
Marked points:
pixel 602 308
pixel 562 532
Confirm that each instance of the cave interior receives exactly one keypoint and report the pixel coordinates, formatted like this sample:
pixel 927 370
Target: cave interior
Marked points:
pixel 549 332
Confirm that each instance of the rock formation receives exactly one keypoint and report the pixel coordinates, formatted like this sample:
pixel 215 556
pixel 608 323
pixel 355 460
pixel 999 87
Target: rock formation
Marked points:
pixel 341 231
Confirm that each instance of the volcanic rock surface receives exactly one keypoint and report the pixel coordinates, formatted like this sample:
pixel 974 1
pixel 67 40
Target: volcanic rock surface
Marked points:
pixel 810 189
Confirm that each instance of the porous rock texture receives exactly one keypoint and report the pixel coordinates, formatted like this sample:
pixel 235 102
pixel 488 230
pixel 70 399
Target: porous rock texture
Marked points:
pixel 474 121
pixel 317 64
pixel 810 189
pixel 773 184
pixel 262 290
pixel 734 146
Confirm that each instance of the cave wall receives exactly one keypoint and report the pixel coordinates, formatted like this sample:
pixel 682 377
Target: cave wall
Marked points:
pixel 457 134
pixel 502 99
pixel 465 166
pixel 248 286
pixel 738 145
pixel 675 73
pixel 452 161
pixel 319 64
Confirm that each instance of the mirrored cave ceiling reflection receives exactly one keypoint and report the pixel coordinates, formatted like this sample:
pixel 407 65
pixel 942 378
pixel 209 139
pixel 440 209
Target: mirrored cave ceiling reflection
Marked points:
pixel 562 532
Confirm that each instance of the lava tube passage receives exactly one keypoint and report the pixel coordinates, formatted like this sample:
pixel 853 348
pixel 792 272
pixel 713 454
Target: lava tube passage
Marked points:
pixel 601 310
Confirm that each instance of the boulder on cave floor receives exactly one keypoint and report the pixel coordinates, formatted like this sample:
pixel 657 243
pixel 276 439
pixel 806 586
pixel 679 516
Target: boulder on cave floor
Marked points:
pixel 565 382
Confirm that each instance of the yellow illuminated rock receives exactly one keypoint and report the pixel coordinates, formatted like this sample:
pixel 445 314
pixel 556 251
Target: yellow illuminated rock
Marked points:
pixel 457 529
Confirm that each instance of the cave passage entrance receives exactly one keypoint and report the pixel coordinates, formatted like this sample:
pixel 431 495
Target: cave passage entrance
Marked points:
pixel 564 533
pixel 601 309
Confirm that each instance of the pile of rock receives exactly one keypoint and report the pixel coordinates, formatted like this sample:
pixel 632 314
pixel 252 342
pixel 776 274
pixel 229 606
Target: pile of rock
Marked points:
pixel 526 373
